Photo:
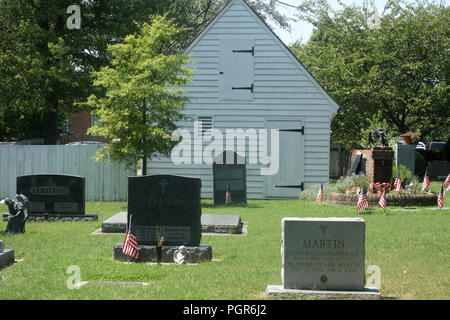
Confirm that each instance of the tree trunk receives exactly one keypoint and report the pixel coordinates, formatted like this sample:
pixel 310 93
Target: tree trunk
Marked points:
pixel 144 121
pixel 144 166
pixel 51 121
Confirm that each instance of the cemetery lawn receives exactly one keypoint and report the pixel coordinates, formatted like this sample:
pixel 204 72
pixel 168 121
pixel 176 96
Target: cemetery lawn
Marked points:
pixel 412 250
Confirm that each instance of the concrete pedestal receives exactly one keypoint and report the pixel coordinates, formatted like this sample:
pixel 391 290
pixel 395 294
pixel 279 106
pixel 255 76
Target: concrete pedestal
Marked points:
pixel 366 294
pixel 194 254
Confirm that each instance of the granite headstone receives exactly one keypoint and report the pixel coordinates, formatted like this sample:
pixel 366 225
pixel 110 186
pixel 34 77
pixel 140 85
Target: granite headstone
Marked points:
pixel 165 206
pixel 323 253
pixel 6 256
pixel 53 193
pixel 229 170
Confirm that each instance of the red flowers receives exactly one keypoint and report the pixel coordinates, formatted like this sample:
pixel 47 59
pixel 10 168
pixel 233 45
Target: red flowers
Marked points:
pixel 380 187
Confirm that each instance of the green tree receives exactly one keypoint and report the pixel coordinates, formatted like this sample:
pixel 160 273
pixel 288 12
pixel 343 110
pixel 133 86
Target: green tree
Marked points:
pixel 142 101
pixel 46 67
pixel 396 72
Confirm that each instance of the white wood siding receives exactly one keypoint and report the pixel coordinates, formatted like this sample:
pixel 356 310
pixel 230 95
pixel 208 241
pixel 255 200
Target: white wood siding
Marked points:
pixel 104 181
pixel 282 88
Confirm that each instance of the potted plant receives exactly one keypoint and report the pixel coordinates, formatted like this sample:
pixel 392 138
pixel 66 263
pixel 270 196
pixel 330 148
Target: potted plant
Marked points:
pixel 410 138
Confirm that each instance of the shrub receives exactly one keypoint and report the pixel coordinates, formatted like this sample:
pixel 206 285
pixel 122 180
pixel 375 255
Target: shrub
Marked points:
pixel 311 192
pixel 414 186
pixel 405 174
pixel 360 182
pixel 343 183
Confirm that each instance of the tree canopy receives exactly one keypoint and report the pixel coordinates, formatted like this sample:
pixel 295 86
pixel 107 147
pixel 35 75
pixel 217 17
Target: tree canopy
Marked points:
pixel 394 75
pixel 142 101
pixel 46 67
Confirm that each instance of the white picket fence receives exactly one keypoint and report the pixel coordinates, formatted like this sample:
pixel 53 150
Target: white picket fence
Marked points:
pixel 104 181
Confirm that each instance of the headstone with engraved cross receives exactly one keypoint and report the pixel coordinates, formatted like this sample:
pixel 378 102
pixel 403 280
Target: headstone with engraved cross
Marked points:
pixel 165 206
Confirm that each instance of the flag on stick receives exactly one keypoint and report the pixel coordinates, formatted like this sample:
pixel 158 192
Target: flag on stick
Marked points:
pixel 441 199
pixel 362 201
pixel 382 201
pixel 447 183
pixel 426 182
pixel 228 195
pixel 320 194
pixel 130 246
pixel 398 184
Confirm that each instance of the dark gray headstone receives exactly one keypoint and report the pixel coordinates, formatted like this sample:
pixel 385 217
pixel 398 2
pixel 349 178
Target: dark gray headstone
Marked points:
pixel 229 170
pixel 53 193
pixel 167 205
pixel 6 256
pixel 405 155
pixel 438 169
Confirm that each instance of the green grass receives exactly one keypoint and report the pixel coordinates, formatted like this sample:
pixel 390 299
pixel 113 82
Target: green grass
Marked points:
pixel 412 250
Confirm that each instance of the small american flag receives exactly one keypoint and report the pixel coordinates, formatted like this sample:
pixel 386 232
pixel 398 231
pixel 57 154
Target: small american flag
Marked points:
pixel 320 194
pixel 228 195
pixel 447 182
pixel 426 181
pixel 382 201
pixel 130 246
pixel 441 198
pixel 398 184
pixel 362 201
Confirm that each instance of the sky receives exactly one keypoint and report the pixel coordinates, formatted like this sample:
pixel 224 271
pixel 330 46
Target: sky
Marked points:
pixel 303 30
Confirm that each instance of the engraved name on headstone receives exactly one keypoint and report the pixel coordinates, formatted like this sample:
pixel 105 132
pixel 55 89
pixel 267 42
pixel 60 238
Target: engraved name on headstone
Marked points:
pixel 53 193
pixel 165 206
pixel 323 253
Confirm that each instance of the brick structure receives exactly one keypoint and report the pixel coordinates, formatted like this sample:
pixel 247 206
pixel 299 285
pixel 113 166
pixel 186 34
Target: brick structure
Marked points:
pixel 79 123
pixel 376 164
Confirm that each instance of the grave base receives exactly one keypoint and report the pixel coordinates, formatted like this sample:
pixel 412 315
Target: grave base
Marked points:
pixel 211 223
pixel 197 254
pixel 366 294
pixel 221 223
pixel 6 258
pixel 58 217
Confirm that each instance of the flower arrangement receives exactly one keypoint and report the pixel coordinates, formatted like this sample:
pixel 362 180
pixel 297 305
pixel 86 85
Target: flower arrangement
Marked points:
pixel 351 190
pixel 380 187
pixel 410 138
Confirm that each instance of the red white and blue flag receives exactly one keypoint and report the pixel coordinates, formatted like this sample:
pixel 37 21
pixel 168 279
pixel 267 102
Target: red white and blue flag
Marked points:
pixel 398 184
pixel 320 194
pixel 382 202
pixel 130 246
pixel 447 183
pixel 228 195
pixel 426 181
pixel 362 201
pixel 441 198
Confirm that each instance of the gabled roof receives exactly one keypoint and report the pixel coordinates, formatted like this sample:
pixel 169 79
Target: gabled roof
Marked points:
pixel 264 25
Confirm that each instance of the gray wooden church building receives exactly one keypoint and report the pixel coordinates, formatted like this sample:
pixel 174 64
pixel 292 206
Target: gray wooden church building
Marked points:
pixel 248 82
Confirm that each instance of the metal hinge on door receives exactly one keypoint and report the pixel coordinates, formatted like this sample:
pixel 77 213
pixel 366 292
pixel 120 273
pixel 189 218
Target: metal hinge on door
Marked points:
pixel 244 88
pixel 301 130
pixel 252 51
pixel 300 186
